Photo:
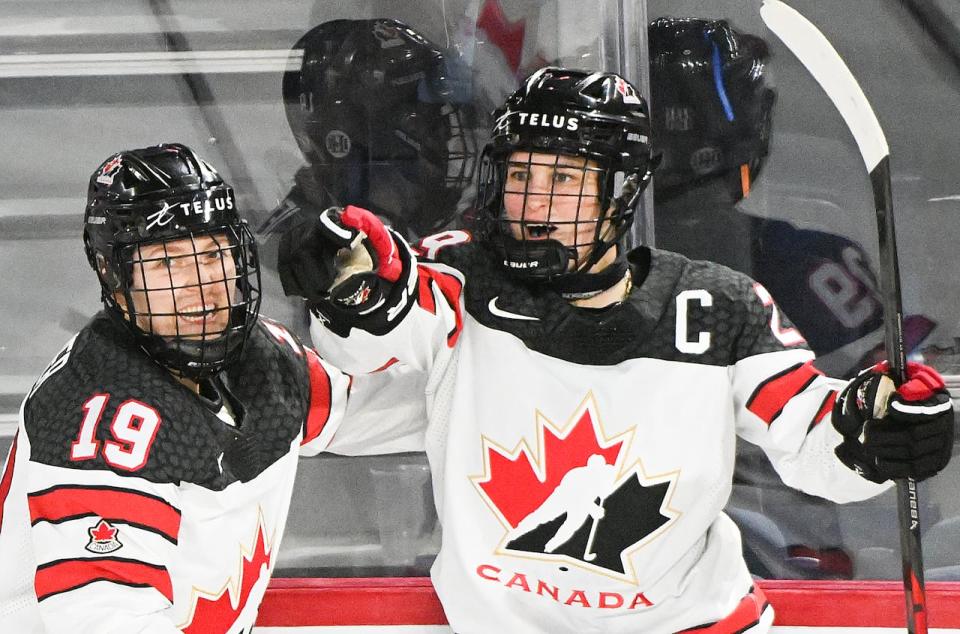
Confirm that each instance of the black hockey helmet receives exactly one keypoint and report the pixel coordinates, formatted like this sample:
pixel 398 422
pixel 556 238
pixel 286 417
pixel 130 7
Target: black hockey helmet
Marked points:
pixel 595 117
pixel 138 199
pixel 383 120
pixel 712 108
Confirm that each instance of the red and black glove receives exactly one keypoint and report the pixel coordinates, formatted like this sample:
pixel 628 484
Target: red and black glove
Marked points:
pixel 893 433
pixel 347 257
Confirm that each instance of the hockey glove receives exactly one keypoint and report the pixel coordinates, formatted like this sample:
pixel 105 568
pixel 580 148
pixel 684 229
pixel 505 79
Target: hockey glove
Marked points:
pixel 342 258
pixel 890 433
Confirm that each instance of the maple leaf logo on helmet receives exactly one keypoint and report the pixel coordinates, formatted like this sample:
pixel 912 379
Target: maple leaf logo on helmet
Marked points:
pixel 108 171
pixel 576 498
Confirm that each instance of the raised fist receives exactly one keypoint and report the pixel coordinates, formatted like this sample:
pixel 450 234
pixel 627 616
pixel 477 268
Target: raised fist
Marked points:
pixel 341 258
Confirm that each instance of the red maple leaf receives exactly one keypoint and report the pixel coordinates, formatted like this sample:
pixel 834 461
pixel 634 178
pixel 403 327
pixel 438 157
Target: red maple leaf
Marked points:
pixel 505 35
pixel 111 165
pixel 219 613
pixel 517 486
pixel 103 532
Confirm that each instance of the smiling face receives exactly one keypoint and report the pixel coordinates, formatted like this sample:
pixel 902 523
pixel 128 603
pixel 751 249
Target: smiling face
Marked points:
pixel 184 288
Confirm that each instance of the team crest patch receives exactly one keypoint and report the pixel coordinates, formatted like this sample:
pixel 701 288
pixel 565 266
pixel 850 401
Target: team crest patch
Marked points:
pixel 103 538
pixel 109 170
pixel 574 498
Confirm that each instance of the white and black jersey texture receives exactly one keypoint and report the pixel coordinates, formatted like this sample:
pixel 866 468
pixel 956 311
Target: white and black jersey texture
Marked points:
pixel 130 504
pixel 582 458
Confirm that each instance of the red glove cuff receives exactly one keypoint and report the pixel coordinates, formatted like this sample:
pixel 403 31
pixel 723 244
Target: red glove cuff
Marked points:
pixel 922 381
pixel 390 265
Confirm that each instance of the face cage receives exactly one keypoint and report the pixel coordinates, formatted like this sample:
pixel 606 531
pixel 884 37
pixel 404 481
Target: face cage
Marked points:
pixel 556 212
pixel 209 349
pixel 462 150
pixel 439 171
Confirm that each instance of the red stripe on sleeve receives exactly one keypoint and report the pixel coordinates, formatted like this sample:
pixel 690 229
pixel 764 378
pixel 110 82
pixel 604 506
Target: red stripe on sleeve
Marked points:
pixel 450 288
pixel 771 396
pixel 7 478
pixel 825 408
pixel 64 503
pixel 70 574
pixel 424 292
pixel 386 365
pixel 320 397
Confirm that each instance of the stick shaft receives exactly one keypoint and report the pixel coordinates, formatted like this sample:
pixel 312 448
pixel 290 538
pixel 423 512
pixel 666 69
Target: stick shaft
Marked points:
pixel 908 511
pixel 826 66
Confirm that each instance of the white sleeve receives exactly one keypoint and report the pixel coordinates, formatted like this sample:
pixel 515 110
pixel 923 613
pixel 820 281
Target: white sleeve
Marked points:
pixel 427 324
pixel 100 545
pixel 783 404
pixel 386 413
pixel 377 413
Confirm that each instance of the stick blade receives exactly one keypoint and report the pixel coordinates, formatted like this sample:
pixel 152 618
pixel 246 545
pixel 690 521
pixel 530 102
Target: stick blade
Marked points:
pixel 822 61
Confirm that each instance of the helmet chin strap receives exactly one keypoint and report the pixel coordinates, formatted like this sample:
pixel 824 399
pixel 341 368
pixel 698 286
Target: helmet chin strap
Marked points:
pixel 546 262
pixel 587 285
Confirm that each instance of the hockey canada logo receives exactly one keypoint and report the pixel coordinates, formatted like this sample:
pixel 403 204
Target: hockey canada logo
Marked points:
pixel 627 93
pixel 108 171
pixel 574 498
pixel 103 538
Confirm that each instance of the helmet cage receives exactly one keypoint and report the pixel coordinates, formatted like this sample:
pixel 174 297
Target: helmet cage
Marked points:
pixel 593 212
pixel 712 108
pixel 142 202
pixel 381 121
pixel 231 260
pixel 607 144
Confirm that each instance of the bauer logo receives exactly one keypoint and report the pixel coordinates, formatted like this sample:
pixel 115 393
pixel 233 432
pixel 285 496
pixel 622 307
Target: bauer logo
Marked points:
pixel 575 498
pixel 549 121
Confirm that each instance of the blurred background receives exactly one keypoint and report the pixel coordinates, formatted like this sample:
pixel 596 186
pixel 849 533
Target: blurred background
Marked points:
pixel 759 173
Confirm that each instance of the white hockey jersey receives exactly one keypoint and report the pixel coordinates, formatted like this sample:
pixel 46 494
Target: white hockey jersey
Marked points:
pixel 582 457
pixel 127 505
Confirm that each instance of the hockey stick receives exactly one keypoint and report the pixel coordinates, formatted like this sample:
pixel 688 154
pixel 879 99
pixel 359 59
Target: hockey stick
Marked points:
pixel 813 50
pixel 202 95
pixel 588 554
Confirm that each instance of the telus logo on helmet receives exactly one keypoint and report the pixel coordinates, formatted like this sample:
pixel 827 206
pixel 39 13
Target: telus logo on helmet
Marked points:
pixel 219 201
pixel 544 120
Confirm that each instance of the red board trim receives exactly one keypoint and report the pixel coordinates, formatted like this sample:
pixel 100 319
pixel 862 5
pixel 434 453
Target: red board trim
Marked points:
pixel 412 601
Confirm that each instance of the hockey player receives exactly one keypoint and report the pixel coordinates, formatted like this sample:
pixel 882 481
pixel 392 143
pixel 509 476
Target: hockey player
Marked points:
pixel 383 119
pixel 151 474
pixel 546 345
pixel 712 124
pixel 711 119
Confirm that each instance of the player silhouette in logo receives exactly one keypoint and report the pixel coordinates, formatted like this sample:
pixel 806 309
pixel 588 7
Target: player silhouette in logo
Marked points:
pixel 577 496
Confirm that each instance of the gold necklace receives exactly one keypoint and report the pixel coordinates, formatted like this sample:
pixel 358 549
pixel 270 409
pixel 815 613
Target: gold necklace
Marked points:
pixel 628 287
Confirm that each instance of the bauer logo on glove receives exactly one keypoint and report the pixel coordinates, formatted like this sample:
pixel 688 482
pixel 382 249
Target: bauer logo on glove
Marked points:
pixel 891 433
